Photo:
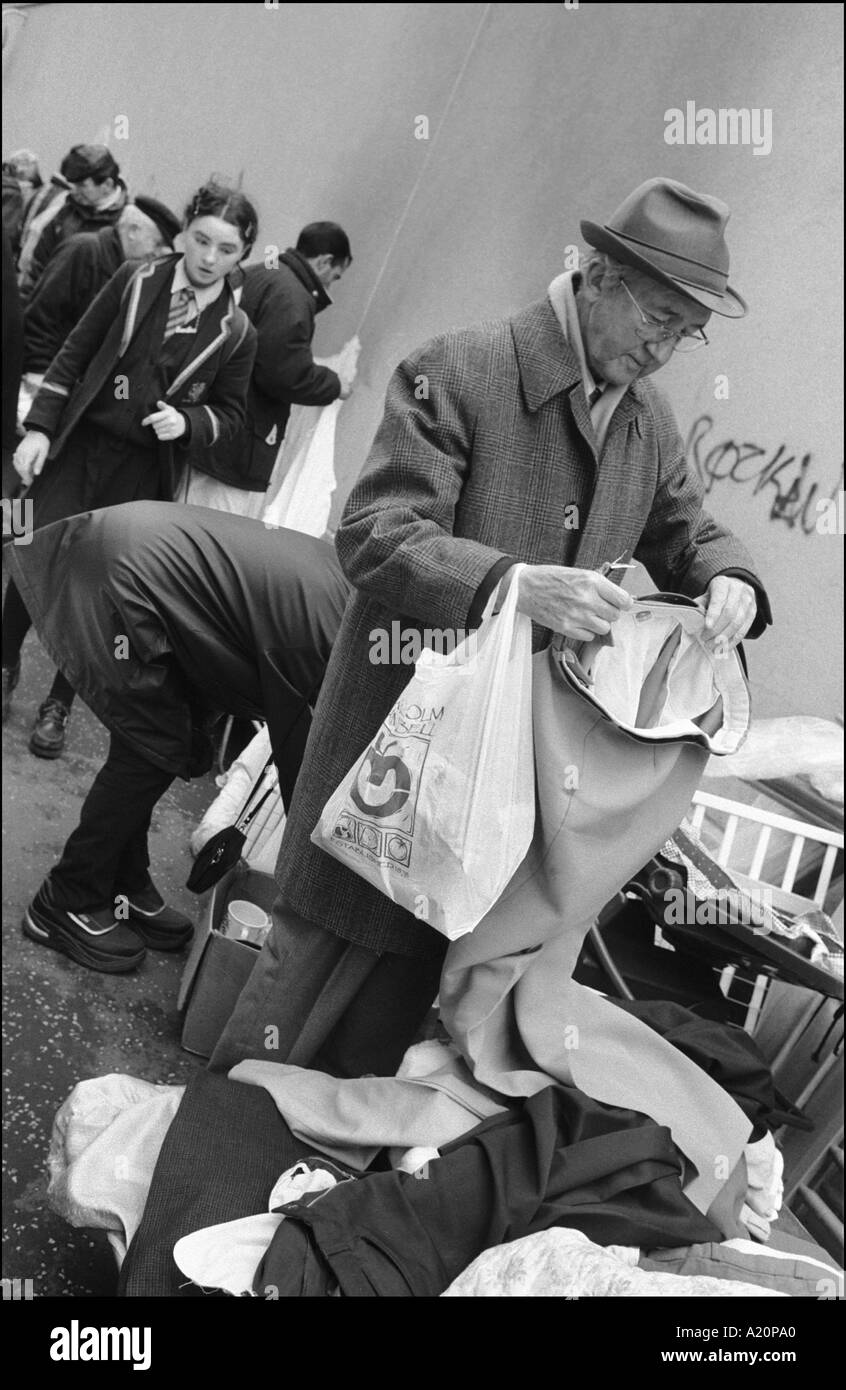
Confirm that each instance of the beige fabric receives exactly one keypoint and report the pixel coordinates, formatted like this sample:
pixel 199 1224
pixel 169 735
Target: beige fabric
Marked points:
pixel 507 996
pixel 351 1120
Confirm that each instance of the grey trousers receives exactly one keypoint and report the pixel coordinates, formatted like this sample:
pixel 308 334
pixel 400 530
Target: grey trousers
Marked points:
pixel 315 1000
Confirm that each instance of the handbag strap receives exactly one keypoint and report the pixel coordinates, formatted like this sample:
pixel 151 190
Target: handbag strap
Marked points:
pixel 244 818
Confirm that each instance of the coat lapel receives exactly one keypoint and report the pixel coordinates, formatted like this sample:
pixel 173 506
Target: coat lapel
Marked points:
pixel 546 363
pixel 548 367
pixel 144 289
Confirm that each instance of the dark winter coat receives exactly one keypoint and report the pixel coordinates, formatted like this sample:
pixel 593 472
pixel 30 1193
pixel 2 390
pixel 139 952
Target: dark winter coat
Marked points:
pixel 155 612
pixel 282 304
pixel 71 282
pixel 483 465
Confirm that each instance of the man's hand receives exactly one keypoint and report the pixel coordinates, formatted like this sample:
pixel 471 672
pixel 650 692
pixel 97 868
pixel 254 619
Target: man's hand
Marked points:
pixel 167 422
pixel 30 456
pixel 346 390
pixel 731 605
pixel 577 603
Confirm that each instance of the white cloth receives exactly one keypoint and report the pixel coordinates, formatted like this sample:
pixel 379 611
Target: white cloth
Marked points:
pixel 299 494
pixel 265 831
pixel 103 1150
pixel 199 490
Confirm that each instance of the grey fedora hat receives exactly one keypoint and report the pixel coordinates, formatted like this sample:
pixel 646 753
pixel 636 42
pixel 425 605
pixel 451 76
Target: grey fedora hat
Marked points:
pixel 678 237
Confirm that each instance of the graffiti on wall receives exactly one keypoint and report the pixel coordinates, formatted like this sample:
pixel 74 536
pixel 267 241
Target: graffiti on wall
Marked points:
pixel 786 480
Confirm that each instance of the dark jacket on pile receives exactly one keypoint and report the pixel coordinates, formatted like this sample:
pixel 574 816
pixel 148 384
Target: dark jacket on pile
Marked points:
pixel 218 611
pixel 70 218
pixel 282 303
pixel 71 282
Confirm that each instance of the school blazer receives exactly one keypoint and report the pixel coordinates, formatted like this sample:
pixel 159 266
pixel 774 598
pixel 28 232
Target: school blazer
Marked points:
pixel 210 390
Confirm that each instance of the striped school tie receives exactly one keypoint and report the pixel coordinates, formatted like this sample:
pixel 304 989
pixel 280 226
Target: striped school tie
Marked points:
pixel 180 311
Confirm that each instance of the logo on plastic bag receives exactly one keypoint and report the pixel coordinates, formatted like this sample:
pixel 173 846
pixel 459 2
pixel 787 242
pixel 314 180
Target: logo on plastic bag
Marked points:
pixel 387 781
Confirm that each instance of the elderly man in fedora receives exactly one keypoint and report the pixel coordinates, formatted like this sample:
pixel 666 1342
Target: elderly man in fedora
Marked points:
pixel 493 439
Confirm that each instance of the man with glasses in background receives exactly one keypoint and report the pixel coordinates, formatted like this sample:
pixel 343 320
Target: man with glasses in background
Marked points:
pixel 535 439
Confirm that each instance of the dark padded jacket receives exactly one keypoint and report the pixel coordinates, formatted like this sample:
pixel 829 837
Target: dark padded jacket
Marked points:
pixel 217 612
pixel 282 304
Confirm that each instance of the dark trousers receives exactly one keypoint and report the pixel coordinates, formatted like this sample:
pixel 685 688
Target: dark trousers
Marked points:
pixel 315 1000
pixel 107 854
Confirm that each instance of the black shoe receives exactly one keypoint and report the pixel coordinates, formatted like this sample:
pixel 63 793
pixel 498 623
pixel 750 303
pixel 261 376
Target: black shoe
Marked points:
pixel 94 939
pixel 48 734
pixel 159 926
pixel 11 676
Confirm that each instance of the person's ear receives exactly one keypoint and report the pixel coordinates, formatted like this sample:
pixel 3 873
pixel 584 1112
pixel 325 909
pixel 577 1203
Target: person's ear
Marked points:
pixel 592 277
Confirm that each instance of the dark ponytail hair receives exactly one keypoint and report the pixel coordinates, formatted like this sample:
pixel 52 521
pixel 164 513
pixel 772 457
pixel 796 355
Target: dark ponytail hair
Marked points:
pixel 218 200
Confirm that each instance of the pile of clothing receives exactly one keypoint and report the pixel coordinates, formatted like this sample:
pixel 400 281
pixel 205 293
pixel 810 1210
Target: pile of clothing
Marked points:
pixel 555 1196
pixel 633 1127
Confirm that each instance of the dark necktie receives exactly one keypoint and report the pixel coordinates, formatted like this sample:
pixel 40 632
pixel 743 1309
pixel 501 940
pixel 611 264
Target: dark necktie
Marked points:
pixel 594 396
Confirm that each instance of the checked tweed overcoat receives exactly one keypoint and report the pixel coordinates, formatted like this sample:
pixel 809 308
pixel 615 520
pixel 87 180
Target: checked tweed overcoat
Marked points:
pixel 485 443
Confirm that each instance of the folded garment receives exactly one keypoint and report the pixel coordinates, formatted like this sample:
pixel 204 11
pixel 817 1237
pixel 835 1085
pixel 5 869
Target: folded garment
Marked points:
pixel 352 1119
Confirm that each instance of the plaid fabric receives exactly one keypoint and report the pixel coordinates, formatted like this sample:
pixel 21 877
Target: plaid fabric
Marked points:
pixel 485 443
pixel 182 308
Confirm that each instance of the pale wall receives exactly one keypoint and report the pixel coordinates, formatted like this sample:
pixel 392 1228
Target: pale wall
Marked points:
pixel 555 114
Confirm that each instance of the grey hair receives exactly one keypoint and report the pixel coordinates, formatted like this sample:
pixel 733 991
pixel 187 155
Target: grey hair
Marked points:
pixel 592 257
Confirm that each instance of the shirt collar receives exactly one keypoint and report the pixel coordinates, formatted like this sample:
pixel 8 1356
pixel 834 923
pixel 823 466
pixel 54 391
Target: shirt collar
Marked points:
pixel 203 294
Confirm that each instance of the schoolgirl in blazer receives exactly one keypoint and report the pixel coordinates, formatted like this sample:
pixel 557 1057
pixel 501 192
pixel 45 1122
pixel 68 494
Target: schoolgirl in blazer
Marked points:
pixel 157 369
pixel 118 363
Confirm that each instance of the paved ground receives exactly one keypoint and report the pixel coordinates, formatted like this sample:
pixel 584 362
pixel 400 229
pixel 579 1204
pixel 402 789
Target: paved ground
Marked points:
pixel 61 1022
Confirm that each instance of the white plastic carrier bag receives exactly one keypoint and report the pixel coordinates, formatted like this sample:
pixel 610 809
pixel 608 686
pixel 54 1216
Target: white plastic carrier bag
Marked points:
pixel 440 809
